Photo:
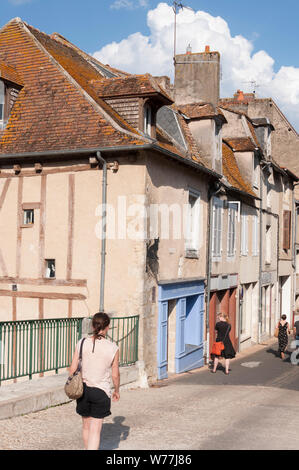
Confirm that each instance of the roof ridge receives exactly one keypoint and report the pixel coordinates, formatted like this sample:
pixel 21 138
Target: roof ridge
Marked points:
pixel 61 39
pixel 85 94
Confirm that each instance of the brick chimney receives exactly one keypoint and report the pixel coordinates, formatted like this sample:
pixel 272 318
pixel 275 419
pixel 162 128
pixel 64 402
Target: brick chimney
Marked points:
pixel 197 77
pixel 240 96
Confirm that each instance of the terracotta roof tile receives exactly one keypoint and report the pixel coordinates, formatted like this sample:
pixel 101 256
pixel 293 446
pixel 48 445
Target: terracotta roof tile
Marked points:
pixel 59 108
pixel 232 173
pixel 119 73
pixel 201 110
pixel 53 110
pixel 129 86
pixel 241 144
pixel 10 74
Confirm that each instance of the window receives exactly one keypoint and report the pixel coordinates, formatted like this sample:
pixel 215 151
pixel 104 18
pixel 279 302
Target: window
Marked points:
pixel 28 218
pixel 268 245
pixel 193 223
pixel 147 119
pixel 231 229
pixel 286 243
pixel 244 232
pixel 255 235
pixel 255 172
pixel 217 227
pixel 50 268
pixel 2 103
pixel 268 185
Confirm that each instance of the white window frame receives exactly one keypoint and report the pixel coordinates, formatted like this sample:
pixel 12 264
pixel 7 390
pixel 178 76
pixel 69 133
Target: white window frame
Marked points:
pixel 147 119
pixel 2 103
pixel 244 231
pixel 232 213
pixel 255 172
pixel 217 228
pixel 255 235
pixel 268 247
pixel 28 216
pixel 192 242
pixel 48 269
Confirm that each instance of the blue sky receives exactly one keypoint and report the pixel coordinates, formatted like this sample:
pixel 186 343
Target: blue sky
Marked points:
pixel 263 25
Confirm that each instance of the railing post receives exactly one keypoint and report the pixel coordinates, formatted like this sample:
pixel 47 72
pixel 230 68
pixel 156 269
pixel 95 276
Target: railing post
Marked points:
pixel 1 354
pixel 30 349
pixel 57 347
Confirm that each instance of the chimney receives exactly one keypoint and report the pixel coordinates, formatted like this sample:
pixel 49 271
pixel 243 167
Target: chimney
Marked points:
pixel 189 49
pixel 197 77
pixel 239 95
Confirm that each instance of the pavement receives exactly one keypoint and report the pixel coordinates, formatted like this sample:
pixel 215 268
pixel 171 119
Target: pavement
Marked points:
pixel 255 407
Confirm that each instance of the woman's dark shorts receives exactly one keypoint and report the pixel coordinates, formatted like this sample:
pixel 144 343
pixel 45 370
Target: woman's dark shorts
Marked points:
pixel 94 403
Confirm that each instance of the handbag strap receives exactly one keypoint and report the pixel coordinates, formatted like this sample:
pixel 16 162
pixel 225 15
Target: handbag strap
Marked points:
pixel 80 355
pixel 228 329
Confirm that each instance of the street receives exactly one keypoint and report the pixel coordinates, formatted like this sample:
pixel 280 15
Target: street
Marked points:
pixel 255 407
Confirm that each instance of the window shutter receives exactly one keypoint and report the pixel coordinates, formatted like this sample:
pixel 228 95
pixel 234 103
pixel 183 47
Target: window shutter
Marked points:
pixel 286 230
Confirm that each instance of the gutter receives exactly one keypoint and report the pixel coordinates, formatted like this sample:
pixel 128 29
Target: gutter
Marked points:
pixel 52 154
pixel 260 260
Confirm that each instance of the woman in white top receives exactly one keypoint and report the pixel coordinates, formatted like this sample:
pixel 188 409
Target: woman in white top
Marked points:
pixel 99 357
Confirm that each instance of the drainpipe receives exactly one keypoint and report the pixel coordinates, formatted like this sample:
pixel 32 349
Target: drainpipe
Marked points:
pixel 293 252
pixel 260 260
pixel 212 192
pixel 103 162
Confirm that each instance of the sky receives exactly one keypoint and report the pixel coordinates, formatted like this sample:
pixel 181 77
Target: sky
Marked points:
pixel 257 40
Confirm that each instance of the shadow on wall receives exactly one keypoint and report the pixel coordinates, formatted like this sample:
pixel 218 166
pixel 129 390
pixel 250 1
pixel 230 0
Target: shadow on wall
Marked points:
pixel 113 433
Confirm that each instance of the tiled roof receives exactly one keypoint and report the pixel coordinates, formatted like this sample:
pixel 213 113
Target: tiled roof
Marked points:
pixel 102 67
pixel 232 173
pixel 201 110
pixel 10 74
pixel 54 111
pixel 192 145
pixel 129 86
pixel 241 144
pixel 59 107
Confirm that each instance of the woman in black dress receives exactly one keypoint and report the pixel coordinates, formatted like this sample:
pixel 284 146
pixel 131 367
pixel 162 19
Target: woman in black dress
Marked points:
pixel 283 333
pixel 223 328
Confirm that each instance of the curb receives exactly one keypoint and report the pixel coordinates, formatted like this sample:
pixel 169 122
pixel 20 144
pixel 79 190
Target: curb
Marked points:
pixel 44 392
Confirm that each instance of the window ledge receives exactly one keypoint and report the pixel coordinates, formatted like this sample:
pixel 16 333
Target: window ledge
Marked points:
pixel 192 254
pixel 26 225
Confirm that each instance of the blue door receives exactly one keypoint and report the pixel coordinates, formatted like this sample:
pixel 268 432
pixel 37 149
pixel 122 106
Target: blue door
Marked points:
pixel 189 326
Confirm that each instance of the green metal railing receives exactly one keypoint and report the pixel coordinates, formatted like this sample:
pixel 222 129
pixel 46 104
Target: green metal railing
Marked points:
pixel 124 332
pixel 30 347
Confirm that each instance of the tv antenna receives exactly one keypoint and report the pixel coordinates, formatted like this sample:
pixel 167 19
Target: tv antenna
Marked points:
pixel 176 6
pixel 254 85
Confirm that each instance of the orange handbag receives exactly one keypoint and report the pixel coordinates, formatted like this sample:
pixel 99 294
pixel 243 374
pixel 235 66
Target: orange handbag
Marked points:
pixel 217 348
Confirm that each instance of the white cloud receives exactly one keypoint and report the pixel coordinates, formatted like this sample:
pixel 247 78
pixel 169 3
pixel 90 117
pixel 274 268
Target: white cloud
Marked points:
pixel 129 4
pixel 240 64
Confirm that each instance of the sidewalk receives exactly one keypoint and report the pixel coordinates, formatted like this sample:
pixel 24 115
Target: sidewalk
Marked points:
pixel 44 392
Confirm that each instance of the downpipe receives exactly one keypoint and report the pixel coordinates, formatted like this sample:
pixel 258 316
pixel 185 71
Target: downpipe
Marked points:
pixel 103 162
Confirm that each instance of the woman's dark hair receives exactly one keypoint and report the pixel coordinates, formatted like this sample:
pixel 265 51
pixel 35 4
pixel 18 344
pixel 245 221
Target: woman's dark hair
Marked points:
pixel 283 317
pixel 100 321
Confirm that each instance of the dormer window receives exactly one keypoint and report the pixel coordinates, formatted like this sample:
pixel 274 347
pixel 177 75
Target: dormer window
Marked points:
pixel 10 86
pixel 148 119
pixel 2 103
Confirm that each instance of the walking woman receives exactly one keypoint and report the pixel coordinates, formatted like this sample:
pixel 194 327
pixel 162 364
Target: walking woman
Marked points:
pixel 100 357
pixel 283 333
pixel 223 328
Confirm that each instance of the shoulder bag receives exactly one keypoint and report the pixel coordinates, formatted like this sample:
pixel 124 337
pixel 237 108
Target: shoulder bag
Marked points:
pixel 218 346
pixel 276 332
pixel 74 384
